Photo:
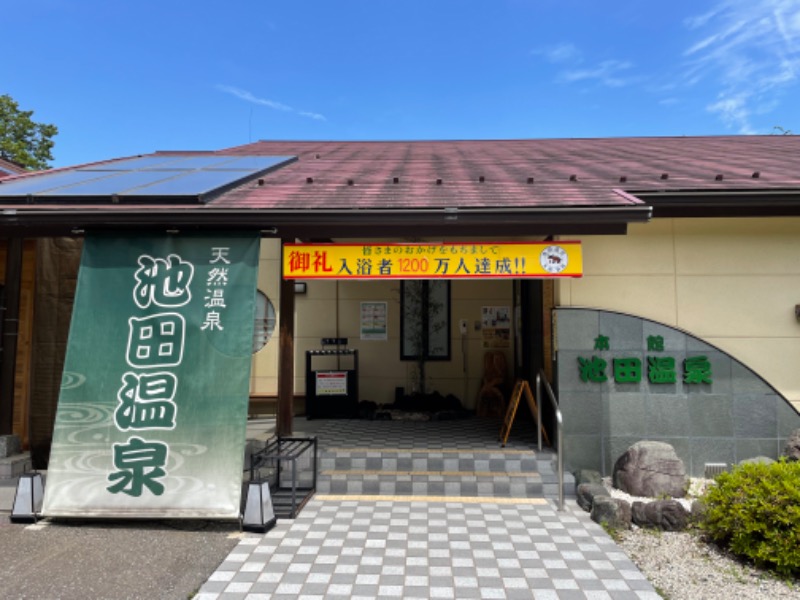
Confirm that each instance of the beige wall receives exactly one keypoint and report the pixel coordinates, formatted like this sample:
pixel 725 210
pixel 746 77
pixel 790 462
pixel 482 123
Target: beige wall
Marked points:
pixel 331 309
pixel 731 282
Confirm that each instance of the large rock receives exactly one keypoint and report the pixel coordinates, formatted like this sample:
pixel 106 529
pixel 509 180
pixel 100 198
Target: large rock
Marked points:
pixel 587 492
pixel 792 448
pixel 613 513
pixel 651 469
pixel 588 476
pixel 668 515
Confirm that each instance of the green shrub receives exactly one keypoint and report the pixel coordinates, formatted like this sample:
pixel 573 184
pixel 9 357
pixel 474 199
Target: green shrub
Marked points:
pixel 755 511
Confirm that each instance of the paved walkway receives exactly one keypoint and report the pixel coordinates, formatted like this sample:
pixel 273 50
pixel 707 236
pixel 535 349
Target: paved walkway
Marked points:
pixel 406 547
pixel 391 546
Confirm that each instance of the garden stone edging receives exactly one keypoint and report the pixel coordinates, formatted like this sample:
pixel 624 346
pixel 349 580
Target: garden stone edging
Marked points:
pixel 666 515
pixel 614 513
pixel 588 492
pixel 588 476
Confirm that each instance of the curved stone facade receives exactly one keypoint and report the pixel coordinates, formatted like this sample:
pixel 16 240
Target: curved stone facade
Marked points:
pixel 622 379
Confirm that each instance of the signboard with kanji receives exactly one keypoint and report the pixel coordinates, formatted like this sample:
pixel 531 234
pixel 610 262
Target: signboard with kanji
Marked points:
pixel 455 260
pixel 629 369
pixel 331 383
pixel 153 406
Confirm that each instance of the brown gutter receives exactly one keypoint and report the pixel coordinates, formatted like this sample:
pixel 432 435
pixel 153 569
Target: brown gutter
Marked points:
pixel 733 203
pixel 32 221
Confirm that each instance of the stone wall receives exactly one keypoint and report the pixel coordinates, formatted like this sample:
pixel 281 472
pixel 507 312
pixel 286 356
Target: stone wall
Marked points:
pixel 732 416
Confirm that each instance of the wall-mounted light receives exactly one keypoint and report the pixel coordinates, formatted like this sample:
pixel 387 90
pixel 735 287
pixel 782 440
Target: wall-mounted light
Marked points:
pixel 299 287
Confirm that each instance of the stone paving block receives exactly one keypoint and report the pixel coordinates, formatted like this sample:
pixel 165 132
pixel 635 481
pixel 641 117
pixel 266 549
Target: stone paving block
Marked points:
pixel 398 549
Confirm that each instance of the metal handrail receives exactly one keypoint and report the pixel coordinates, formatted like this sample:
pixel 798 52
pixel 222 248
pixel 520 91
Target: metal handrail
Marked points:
pixel 540 378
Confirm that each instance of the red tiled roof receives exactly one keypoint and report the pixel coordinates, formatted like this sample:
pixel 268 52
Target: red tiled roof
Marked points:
pixel 550 186
pixel 565 172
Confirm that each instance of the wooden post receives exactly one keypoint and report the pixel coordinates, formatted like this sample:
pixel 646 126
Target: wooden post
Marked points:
pixel 10 316
pixel 285 409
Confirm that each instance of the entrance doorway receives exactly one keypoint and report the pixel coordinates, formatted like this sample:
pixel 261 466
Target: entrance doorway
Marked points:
pixel 534 300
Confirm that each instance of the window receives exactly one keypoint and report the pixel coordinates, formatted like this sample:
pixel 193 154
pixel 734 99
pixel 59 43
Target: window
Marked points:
pixel 425 320
pixel 265 321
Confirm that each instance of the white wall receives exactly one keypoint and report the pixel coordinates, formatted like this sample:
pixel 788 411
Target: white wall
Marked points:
pixel 732 282
pixel 331 309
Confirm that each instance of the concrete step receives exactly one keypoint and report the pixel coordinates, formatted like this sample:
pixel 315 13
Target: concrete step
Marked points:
pixel 437 472
pixel 12 467
pixel 421 459
pixel 431 483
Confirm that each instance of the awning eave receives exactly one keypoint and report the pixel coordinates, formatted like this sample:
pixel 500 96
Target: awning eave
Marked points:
pixel 38 222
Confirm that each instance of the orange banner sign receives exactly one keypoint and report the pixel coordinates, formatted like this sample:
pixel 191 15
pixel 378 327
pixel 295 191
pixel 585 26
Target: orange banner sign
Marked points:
pixel 460 260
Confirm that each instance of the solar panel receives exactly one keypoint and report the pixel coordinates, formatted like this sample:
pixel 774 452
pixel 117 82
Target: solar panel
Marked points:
pixel 151 177
pixel 199 162
pixel 201 182
pixel 255 163
pixel 215 161
pixel 112 183
pixel 141 162
pixel 43 183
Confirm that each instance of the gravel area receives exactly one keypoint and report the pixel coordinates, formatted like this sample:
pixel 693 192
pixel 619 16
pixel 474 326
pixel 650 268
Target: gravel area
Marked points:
pixel 681 566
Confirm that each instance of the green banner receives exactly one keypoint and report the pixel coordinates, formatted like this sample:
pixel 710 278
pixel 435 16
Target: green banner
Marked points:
pixel 153 407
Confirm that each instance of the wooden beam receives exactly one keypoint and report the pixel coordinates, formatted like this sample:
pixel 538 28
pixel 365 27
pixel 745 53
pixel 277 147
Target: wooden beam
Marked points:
pixel 284 418
pixel 13 281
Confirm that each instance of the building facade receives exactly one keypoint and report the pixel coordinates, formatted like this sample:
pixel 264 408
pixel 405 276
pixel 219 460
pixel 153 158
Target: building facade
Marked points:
pixel 687 299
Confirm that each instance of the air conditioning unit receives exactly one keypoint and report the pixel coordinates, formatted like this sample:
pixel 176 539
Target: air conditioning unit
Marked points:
pixel 714 469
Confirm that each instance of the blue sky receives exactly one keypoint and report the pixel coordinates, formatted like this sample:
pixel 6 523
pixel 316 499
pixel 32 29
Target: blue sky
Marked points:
pixel 121 78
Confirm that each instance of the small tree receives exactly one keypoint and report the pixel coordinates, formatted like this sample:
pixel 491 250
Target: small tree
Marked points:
pixel 22 140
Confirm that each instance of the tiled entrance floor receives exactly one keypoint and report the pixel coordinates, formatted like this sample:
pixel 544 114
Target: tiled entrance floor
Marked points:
pixel 405 547
pixel 430 458
pixel 471 434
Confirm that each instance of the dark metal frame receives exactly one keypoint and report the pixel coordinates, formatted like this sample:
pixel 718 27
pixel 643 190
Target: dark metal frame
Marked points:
pixel 287 501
